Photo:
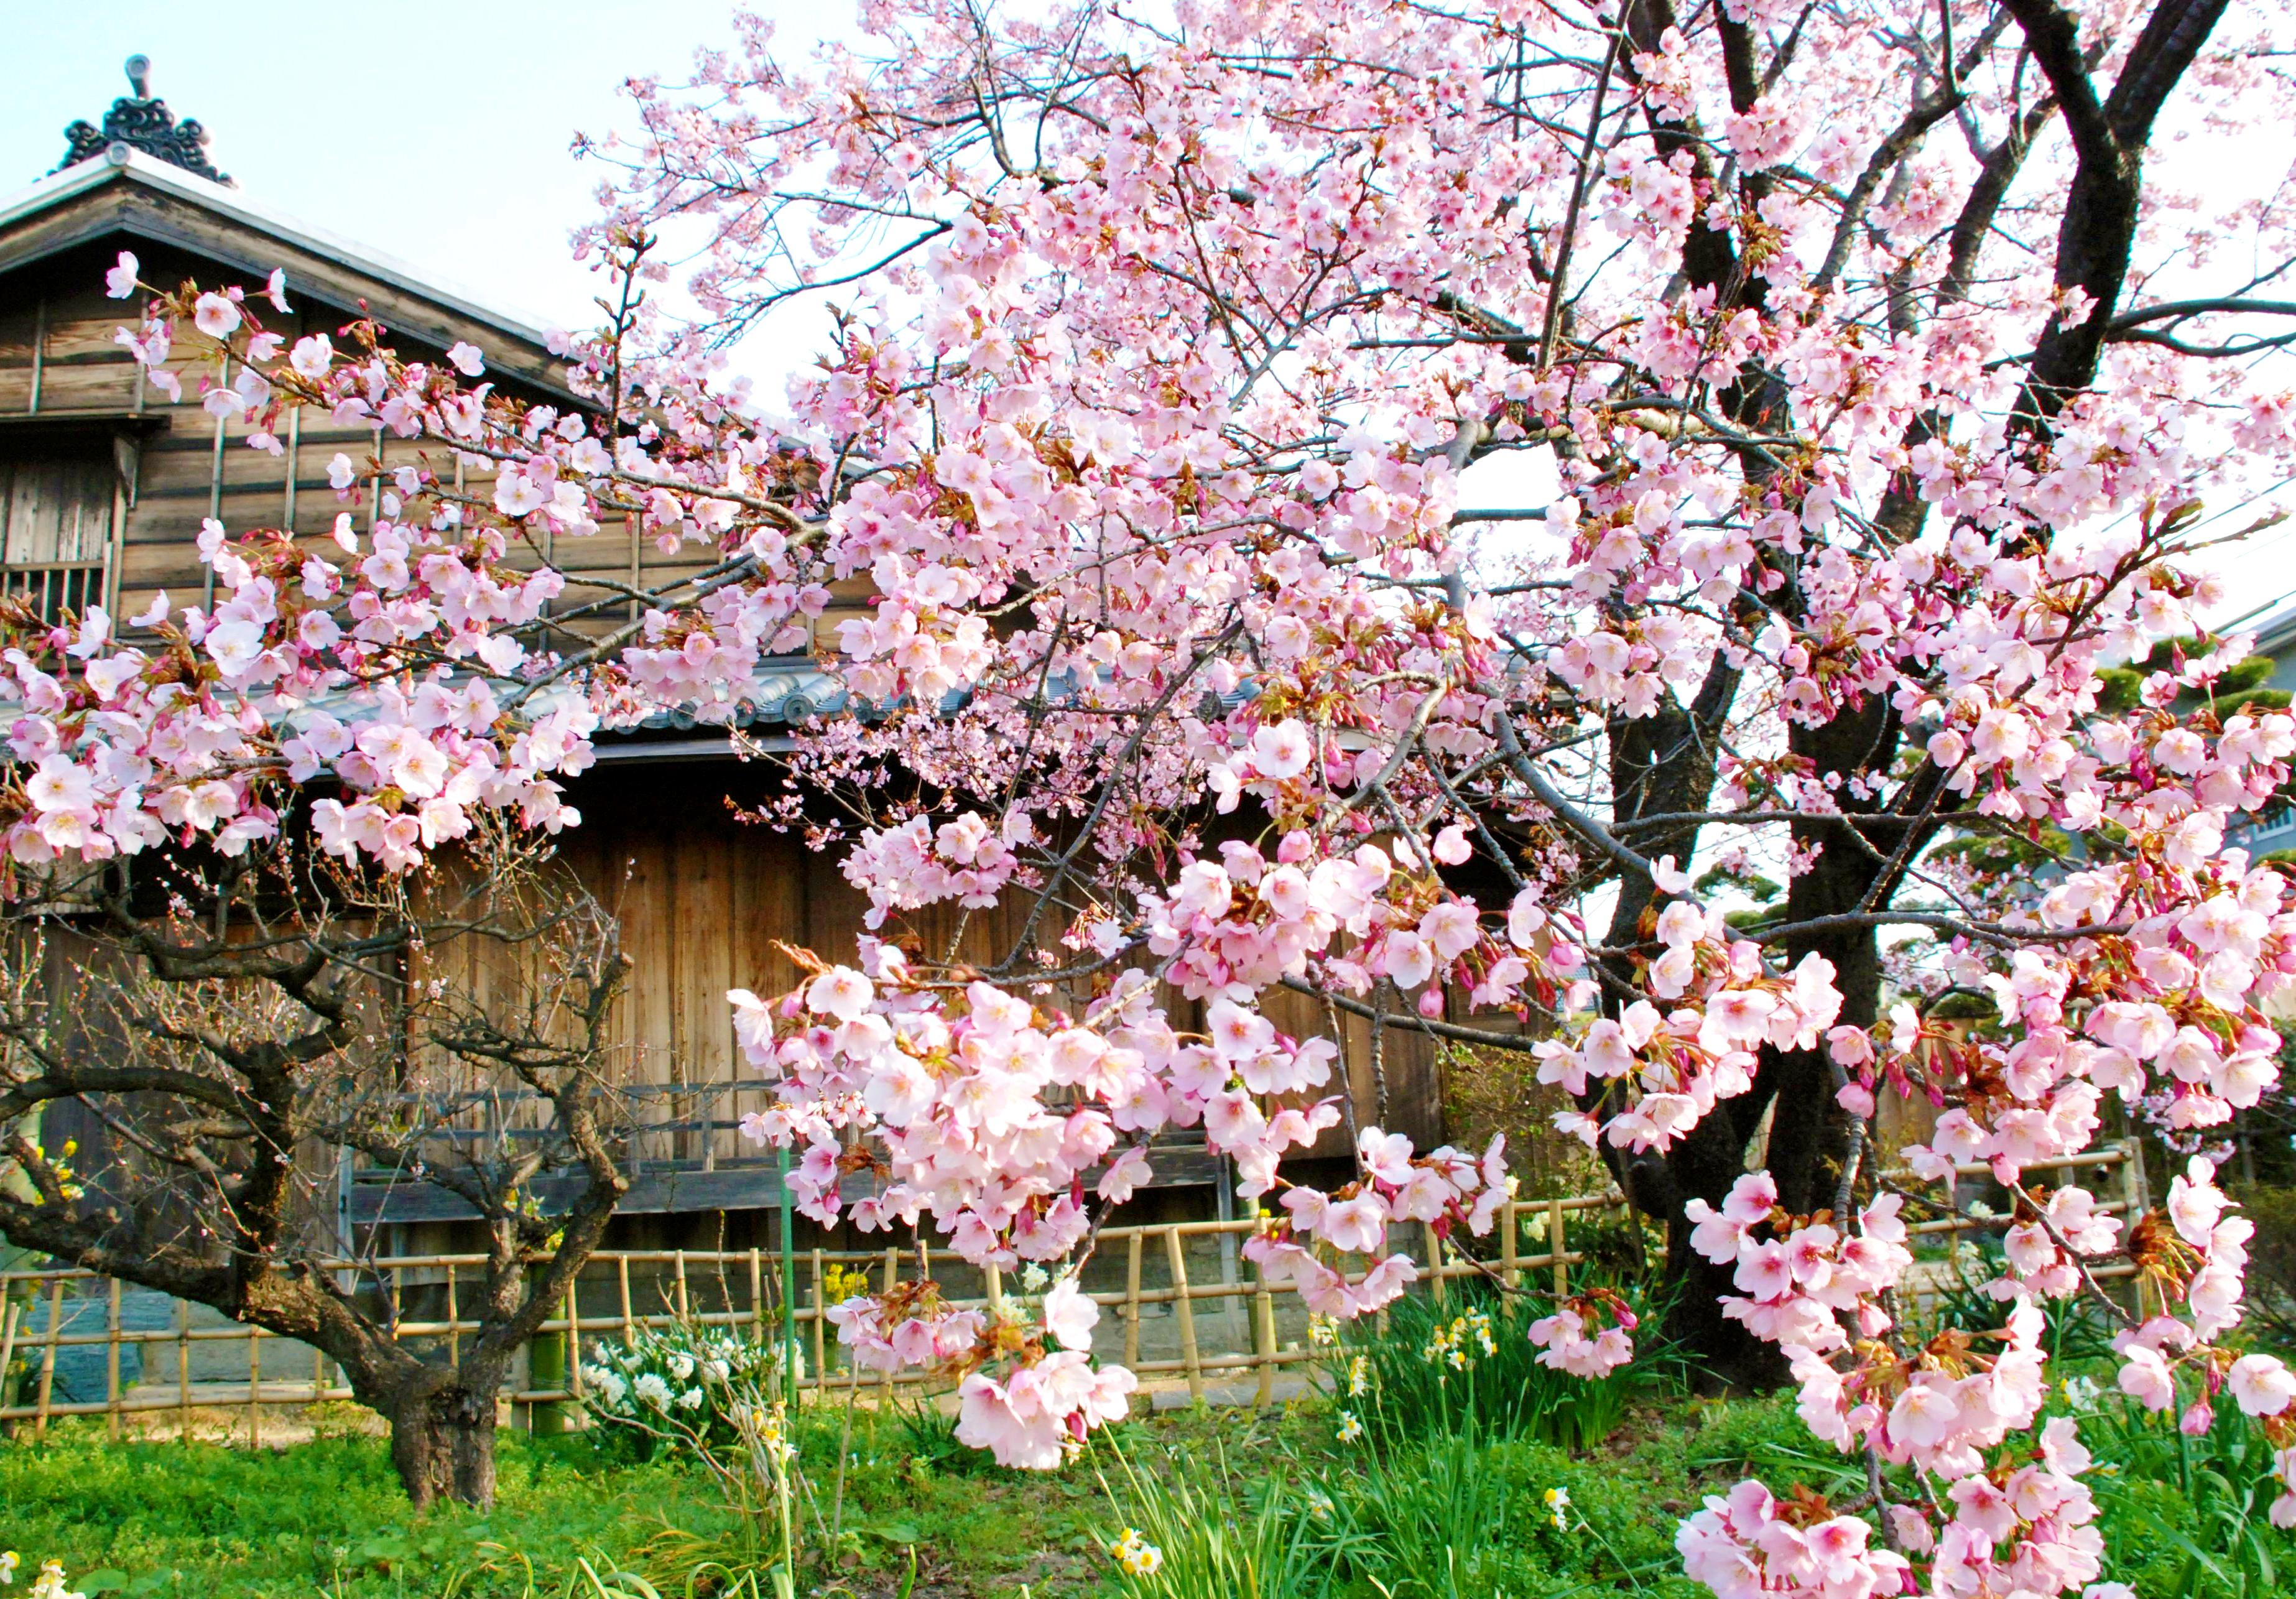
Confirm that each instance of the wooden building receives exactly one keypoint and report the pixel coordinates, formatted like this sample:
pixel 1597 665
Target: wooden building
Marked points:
pixel 104 484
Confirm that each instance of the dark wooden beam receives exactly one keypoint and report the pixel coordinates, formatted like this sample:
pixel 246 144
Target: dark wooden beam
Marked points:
pixel 680 1190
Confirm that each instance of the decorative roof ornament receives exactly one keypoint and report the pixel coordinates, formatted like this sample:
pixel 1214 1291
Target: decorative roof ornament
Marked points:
pixel 142 121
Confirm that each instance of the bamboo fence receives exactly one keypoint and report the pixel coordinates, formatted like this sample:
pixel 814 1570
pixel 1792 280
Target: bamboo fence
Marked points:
pixel 1184 1307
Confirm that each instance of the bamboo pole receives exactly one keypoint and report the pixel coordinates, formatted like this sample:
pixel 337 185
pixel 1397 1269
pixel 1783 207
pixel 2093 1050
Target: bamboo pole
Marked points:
pixel 1175 1255
pixel 629 1322
pixel 11 1312
pixel 684 1310
pixel 1263 1319
pixel 48 1358
pixel 1509 1272
pixel 1557 1247
pixel 574 1342
pixel 111 1361
pixel 1132 1301
pixel 820 1323
pixel 254 1387
pixel 453 1321
pixel 892 1277
pixel 757 1297
pixel 2132 1197
pixel 183 1371
pixel 1435 1260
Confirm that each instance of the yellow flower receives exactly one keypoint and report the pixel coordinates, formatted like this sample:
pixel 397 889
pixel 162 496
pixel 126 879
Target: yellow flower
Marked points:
pixel 1137 1555
pixel 1558 1501
pixel 1350 1428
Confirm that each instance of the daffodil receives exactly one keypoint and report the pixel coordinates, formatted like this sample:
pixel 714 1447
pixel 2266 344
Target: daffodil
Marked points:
pixel 1558 1503
pixel 1137 1555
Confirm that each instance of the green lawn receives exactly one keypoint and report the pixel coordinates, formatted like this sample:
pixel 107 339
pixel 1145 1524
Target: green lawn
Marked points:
pixel 1441 1514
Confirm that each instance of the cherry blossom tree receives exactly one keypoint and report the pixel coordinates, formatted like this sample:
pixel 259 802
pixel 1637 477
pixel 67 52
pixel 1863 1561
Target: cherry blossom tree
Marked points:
pixel 1382 503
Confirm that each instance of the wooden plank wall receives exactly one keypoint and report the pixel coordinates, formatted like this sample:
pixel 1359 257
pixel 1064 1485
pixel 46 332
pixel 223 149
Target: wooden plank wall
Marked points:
pixel 701 896
pixel 58 358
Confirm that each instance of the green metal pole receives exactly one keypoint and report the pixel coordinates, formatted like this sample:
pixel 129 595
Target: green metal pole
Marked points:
pixel 788 1282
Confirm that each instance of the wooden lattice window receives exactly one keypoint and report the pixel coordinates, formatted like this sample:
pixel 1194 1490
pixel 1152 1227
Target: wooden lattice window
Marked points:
pixel 56 528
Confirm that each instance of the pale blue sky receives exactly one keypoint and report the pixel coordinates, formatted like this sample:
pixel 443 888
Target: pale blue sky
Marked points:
pixel 430 131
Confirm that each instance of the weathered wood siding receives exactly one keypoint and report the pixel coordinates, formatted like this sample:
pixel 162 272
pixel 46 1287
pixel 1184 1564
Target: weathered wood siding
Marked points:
pixel 703 896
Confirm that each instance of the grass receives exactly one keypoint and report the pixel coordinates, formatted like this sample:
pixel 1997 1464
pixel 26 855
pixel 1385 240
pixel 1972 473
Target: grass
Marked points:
pixel 328 1518
pixel 1469 1363
pixel 1268 1505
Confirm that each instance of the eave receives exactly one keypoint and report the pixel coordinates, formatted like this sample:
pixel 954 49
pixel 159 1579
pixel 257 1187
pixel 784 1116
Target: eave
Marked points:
pixel 129 194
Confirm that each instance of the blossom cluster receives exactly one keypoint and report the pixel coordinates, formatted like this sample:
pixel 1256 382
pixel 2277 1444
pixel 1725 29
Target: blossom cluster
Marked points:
pixel 1157 453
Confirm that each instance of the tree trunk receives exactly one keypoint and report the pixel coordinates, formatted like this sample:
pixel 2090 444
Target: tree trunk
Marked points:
pixel 442 1441
pixel 1809 1134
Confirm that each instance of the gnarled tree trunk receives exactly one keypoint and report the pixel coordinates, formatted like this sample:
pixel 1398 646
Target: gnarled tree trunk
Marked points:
pixel 442 1437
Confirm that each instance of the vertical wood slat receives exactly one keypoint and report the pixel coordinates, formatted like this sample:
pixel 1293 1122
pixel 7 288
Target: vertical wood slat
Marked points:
pixel 39 352
pixel 630 523
pixel 117 539
pixel 215 486
pixel 294 460
pixel 1175 1255
pixel 375 485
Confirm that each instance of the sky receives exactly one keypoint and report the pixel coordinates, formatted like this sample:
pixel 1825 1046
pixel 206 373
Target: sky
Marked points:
pixel 446 144
pixel 374 123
